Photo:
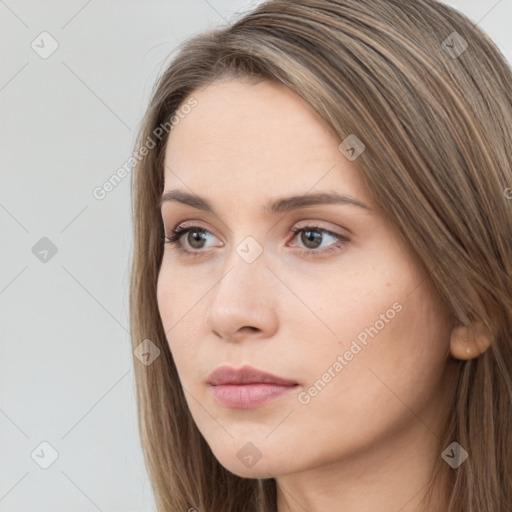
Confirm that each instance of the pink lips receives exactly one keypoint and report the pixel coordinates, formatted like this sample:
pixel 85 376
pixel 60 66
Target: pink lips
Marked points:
pixel 246 387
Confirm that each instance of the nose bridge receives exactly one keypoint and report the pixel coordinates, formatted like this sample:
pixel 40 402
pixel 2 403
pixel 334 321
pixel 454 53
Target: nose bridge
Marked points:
pixel 242 297
pixel 245 271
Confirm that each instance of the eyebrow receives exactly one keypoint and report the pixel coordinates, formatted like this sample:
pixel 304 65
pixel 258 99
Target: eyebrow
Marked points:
pixel 285 204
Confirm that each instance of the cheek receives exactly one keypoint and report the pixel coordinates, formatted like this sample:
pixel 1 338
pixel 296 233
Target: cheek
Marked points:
pixel 163 297
pixel 169 306
pixel 384 316
pixel 181 313
pixel 173 295
pixel 370 384
pixel 357 300
pixel 397 349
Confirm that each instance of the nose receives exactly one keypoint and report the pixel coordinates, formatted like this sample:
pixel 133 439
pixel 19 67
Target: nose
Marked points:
pixel 243 302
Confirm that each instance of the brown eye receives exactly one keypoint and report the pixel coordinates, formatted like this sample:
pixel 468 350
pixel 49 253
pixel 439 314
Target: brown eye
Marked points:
pixel 312 237
pixel 194 237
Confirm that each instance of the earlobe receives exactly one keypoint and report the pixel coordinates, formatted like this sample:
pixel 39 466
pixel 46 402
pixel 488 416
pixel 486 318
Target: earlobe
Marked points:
pixel 469 342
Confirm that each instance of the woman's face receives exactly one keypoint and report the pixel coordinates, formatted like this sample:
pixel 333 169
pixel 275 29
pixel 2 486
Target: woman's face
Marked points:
pixel 341 308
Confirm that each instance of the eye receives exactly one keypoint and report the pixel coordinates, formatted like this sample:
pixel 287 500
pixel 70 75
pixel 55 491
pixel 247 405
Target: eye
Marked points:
pixel 199 235
pixel 311 236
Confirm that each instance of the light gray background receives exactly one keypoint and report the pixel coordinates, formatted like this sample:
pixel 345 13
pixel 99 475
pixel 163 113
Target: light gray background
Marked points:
pixel 68 122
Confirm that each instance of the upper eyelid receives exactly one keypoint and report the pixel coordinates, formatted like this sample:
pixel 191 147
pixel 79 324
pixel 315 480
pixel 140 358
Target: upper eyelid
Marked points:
pixel 316 214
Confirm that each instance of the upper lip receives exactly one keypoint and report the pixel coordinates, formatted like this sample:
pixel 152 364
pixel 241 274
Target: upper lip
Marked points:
pixel 245 375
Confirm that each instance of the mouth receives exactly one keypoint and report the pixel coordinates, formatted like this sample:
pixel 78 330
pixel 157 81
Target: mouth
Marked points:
pixel 247 387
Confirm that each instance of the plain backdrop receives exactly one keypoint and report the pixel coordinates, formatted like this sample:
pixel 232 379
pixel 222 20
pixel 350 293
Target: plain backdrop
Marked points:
pixel 75 78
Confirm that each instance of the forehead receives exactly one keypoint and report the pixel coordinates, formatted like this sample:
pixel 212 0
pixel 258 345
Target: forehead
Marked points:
pixel 256 138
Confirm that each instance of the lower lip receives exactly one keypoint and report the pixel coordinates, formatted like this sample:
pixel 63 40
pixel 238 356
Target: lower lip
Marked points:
pixel 247 396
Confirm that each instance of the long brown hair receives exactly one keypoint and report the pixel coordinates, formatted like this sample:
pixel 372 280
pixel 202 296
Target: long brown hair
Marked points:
pixel 430 95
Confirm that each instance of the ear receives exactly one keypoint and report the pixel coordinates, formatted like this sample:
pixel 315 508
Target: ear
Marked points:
pixel 469 342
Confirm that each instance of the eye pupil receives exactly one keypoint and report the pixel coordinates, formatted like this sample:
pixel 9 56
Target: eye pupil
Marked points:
pixel 310 235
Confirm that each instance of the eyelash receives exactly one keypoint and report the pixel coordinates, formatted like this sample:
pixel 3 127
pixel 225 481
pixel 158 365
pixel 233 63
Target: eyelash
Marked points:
pixel 174 239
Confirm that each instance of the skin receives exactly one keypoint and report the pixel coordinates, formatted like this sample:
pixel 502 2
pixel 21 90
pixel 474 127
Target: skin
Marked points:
pixel 368 440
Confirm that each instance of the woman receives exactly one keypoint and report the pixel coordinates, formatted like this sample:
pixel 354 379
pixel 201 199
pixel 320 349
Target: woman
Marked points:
pixel 370 368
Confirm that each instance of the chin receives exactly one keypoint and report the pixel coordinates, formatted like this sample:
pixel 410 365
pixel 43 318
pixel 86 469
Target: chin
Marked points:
pixel 247 462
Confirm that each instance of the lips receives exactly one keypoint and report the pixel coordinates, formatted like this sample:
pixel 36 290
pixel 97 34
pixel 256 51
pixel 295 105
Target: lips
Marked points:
pixel 226 375
pixel 246 387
